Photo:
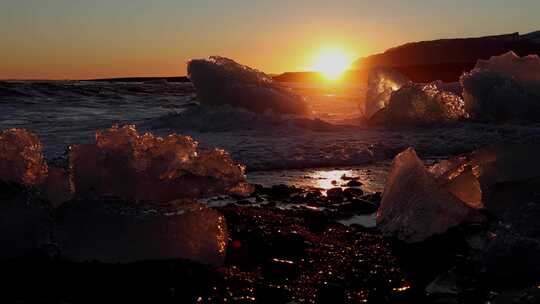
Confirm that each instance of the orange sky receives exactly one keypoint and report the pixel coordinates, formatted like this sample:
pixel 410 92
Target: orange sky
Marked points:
pixel 78 39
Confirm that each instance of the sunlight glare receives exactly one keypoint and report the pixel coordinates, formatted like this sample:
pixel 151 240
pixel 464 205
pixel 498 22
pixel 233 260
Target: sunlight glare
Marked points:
pixel 332 64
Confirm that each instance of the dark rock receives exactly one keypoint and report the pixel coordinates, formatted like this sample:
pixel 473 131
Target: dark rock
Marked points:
pixel 279 269
pixel 359 207
pixel 331 293
pixel 116 231
pixel 335 194
pixel 243 202
pixel 529 296
pixel 351 193
pixel 270 294
pixel 313 195
pixel 512 258
pixel 513 250
pixel 282 191
pixel 353 183
pixel 374 198
pixel 447 284
pixel 25 221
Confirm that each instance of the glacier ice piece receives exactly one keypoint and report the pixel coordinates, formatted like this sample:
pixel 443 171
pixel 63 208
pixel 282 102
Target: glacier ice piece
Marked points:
pixel 423 104
pixel 122 232
pixel 414 206
pixel 419 202
pixel 21 158
pixel 473 177
pixel 125 164
pixel 505 87
pixel 392 98
pixel 219 80
pixel 382 82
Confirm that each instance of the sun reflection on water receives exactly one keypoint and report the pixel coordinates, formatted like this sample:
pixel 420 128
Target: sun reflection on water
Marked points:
pixel 372 178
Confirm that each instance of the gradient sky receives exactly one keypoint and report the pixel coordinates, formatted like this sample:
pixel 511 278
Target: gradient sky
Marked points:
pixel 77 39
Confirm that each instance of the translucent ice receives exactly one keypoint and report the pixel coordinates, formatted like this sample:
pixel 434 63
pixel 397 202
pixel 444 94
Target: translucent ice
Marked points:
pixel 220 80
pixel 382 82
pixel 125 164
pixel 414 206
pixel 116 231
pixel 419 202
pixel 392 98
pixel 505 87
pixel 21 158
pixel 425 104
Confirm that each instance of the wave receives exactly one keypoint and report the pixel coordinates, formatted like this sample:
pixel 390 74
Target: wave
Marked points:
pixel 58 91
pixel 204 118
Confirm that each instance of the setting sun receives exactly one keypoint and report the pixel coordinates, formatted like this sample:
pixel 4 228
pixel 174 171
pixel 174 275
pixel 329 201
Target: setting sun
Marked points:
pixel 332 64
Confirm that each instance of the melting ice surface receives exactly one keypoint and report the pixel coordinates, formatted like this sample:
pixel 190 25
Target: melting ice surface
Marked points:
pixel 392 99
pixel 220 80
pixel 419 201
pixel 21 158
pixel 126 164
pixel 505 87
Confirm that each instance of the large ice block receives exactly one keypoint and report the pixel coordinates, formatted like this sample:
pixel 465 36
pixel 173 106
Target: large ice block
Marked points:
pixel 382 82
pixel 117 231
pixel 21 158
pixel 423 104
pixel 219 80
pixel 505 87
pixel 125 164
pixel 414 206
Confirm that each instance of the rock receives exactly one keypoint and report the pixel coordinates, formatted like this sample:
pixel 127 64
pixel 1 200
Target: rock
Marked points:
pixel 513 250
pixel 314 196
pixel 359 206
pixel 115 231
pixel 25 222
pixel 279 269
pixel 282 191
pixel 351 193
pixel 447 284
pixel 331 293
pixel 353 183
pixel 414 206
pixel 335 194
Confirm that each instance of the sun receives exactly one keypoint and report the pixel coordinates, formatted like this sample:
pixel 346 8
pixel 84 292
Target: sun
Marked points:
pixel 332 64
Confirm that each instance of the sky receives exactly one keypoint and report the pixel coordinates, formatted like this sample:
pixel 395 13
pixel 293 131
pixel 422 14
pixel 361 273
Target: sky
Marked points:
pixel 82 39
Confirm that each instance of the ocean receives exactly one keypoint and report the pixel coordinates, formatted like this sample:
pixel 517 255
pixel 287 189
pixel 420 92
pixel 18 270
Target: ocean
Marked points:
pixel 308 151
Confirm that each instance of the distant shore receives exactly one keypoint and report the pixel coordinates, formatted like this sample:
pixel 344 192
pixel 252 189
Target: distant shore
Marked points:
pixel 446 72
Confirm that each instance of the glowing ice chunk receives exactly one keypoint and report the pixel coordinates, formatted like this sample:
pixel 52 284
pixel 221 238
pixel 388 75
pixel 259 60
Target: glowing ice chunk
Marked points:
pixel 382 82
pixel 505 87
pixel 220 80
pixel 414 206
pixel 21 158
pixel 145 167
